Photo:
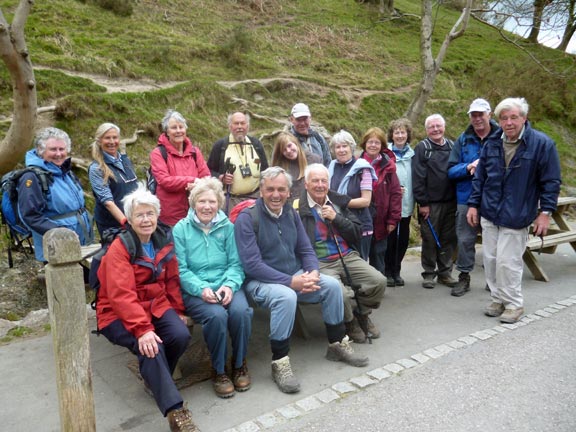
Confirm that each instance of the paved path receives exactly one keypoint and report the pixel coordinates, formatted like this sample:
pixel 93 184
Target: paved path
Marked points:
pixel 417 325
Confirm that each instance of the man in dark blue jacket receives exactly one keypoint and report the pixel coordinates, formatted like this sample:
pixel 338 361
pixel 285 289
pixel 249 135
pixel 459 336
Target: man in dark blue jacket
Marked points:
pixel 517 183
pixel 282 269
pixel 462 166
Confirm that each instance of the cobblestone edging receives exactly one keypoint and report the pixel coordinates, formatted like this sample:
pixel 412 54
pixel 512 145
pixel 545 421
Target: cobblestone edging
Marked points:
pixel 343 389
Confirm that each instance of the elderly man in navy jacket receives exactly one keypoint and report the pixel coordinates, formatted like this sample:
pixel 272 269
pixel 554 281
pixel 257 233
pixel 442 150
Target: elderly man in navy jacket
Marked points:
pixel 282 269
pixel 517 183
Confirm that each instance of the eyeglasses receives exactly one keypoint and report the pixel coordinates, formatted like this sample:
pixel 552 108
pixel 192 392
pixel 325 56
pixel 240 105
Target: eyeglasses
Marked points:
pixel 148 215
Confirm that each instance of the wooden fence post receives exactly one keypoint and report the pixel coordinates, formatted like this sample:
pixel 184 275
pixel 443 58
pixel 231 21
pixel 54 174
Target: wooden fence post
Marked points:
pixel 68 320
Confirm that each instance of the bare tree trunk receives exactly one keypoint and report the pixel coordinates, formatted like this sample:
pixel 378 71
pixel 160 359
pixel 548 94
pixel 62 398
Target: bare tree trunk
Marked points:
pixel 570 27
pixel 387 7
pixel 14 54
pixel 539 6
pixel 430 65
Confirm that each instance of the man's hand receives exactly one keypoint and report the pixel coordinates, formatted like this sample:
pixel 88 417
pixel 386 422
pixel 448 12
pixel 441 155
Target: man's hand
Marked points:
pixel 424 212
pixel 148 344
pixel 227 178
pixel 328 213
pixel 541 225
pixel 472 216
pixel 471 167
pixel 306 282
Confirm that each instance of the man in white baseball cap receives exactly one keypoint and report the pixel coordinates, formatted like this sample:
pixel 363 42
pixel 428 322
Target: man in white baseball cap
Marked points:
pixel 461 168
pixel 311 141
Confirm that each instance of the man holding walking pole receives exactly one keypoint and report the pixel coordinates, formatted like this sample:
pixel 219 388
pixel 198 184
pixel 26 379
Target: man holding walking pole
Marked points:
pixel 335 233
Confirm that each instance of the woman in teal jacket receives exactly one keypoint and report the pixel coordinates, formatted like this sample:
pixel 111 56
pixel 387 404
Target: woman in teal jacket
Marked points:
pixel 211 279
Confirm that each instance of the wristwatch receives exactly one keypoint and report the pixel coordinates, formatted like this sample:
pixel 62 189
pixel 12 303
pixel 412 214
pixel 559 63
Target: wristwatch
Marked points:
pixel 546 212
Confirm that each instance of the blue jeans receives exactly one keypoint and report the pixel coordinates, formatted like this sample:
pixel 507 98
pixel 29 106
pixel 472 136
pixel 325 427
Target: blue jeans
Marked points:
pixel 282 300
pixel 217 321
pixel 157 372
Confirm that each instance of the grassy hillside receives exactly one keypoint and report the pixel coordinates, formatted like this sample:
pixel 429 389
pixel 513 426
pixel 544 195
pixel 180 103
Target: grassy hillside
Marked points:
pixel 354 69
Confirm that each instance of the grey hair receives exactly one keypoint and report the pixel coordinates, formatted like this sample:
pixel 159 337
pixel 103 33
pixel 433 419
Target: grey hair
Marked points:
pixel 206 184
pixel 434 117
pixel 273 172
pixel 172 114
pixel 229 119
pixel 51 132
pixel 315 167
pixel 343 137
pixel 141 196
pixel 510 103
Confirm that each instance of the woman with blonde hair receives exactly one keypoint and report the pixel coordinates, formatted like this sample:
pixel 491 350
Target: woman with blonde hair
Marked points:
pixel 288 154
pixel 112 177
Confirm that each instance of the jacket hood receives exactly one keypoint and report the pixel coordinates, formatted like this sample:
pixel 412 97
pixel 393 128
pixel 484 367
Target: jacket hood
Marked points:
pixel 222 218
pixel 188 146
pixel 32 159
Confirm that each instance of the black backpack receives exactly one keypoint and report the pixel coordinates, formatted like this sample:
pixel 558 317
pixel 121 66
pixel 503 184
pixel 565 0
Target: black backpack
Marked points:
pixel 108 237
pixel 151 183
pixel 18 230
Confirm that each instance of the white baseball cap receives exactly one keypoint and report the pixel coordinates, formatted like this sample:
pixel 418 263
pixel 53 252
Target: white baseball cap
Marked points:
pixel 300 110
pixel 479 105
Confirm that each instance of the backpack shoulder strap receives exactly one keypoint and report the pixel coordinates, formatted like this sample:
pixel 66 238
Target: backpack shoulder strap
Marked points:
pixel 253 210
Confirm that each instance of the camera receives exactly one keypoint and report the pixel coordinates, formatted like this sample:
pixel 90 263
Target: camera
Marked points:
pixel 245 171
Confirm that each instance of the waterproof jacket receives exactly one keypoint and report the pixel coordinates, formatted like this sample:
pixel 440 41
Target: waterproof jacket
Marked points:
pixel 345 222
pixel 465 151
pixel 216 160
pixel 430 182
pixel 511 196
pixel 386 194
pixel 207 260
pixel 404 172
pixel 135 292
pixel 174 175
pixel 63 206
pixel 278 250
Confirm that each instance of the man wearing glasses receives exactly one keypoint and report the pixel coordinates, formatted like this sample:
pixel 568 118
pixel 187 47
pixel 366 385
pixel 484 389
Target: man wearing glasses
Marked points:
pixel 517 183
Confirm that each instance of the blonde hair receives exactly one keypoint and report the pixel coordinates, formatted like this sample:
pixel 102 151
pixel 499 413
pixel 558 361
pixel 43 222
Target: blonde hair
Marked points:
pixel 97 153
pixel 278 158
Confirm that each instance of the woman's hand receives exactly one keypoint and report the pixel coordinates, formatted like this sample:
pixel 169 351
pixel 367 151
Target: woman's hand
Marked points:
pixel 208 295
pixel 148 344
pixel 225 294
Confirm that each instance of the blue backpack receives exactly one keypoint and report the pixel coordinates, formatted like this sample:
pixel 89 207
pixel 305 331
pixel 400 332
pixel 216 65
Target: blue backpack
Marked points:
pixel 19 231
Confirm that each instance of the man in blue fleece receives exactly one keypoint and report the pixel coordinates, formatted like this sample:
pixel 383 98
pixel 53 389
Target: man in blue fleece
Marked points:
pixel 282 269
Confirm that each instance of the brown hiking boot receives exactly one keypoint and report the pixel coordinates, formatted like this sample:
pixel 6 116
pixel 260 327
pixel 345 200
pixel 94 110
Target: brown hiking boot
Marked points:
pixel 447 280
pixel 180 420
pixel 342 351
pixel 222 385
pixel 510 316
pixel 355 332
pixel 463 285
pixel 241 378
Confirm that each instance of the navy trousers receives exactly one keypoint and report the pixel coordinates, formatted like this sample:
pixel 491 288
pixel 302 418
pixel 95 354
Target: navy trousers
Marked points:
pixel 157 371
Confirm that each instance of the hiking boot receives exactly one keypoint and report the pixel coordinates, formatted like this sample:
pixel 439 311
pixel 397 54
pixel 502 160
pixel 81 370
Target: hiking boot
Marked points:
pixel 283 376
pixel 180 420
pixel 428 282
pixel 494 309
pixel 390 281
pixel 463 285
pixel 222 385
pixel 487 288
pixel 365 322
pixel 355 332
pixel 241 378
pixel 447 280
pixel 510 316
pixel 398 281
pixel 342 351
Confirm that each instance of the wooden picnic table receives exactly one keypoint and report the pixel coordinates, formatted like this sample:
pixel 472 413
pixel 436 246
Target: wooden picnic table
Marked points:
pixel 557 234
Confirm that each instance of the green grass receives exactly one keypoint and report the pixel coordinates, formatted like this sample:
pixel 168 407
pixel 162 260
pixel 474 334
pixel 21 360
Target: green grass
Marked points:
pixel 338 49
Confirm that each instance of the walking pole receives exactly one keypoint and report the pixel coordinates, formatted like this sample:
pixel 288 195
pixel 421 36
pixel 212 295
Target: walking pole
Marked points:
pixel 228 169
pixel 355 287
pixel 434 233
pixel 396 252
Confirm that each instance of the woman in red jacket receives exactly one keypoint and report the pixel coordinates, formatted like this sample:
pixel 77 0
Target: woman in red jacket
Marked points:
pixel 386 192
pixel 140 306
pixel 176 173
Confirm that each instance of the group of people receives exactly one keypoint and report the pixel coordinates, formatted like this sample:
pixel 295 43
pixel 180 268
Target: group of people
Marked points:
pixel 317 230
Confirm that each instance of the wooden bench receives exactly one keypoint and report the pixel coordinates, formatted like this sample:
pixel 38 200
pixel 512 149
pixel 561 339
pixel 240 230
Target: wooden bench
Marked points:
pixel 547 245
